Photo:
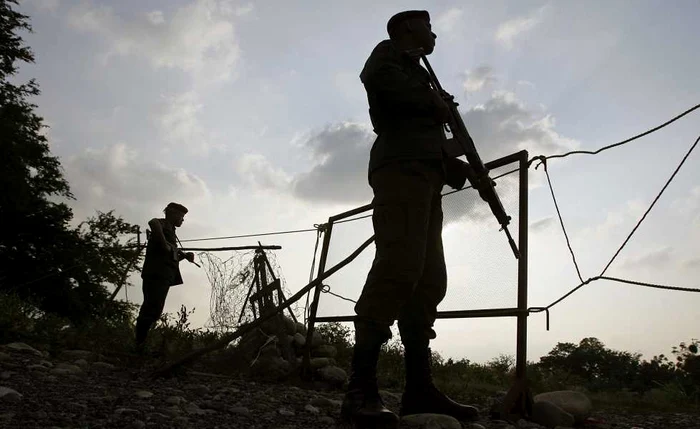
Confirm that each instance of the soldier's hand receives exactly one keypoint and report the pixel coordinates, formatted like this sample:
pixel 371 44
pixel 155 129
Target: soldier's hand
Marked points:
pixel 442 110
pixel 189 256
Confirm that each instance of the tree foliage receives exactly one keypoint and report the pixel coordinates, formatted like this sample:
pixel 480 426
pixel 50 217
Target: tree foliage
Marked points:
pixel 42 258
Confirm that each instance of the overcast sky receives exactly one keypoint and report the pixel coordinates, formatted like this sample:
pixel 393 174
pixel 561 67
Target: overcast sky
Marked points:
pixel 253 116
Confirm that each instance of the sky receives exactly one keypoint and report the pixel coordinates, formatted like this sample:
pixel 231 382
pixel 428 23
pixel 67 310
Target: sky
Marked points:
pixel 253 116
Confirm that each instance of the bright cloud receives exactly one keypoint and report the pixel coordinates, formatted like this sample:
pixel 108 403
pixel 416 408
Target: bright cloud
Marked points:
pixel 198 38
pixel 510 30
pixel 479 78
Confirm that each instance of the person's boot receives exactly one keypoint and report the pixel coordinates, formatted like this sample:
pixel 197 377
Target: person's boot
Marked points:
pixel 420 395
pixel 141 333
pixel 362 405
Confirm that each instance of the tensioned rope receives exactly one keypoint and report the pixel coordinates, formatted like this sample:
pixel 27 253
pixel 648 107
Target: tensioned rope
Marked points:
pixel 602 276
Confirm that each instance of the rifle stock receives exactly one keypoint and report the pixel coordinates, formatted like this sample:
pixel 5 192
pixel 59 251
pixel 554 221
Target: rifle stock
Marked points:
pixel 484 184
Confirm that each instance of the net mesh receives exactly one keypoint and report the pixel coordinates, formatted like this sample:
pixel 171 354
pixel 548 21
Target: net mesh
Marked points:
pixel 231 275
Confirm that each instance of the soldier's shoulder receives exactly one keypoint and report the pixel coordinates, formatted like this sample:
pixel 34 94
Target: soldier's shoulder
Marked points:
pixel 383 50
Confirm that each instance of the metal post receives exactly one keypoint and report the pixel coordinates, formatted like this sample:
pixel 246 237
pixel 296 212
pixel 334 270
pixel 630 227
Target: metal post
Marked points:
pixel 306 362
pixel 521 346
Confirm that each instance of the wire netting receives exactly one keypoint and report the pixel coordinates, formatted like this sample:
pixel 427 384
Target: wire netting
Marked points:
pixel 231 274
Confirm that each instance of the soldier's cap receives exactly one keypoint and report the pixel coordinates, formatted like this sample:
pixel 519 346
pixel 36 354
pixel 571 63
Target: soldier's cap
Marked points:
pixel 176 208
pixel 403 16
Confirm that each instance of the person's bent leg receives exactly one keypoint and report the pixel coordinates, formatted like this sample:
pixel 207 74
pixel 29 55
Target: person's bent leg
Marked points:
pixel 155 292
pixel 416 327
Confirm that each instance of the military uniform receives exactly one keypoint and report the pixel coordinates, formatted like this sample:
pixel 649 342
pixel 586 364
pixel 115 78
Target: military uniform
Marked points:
pixel 408 168
pixel 407 171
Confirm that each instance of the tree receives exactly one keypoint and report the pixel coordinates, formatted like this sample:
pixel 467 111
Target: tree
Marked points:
pixel 592 361
pixel 43 259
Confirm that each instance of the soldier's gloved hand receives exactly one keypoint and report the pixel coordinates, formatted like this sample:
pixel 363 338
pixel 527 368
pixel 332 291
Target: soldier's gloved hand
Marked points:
pixel 189 256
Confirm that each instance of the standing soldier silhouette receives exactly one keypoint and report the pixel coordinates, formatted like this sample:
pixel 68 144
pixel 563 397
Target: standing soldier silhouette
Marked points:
pixel 161 269
pixel 408 167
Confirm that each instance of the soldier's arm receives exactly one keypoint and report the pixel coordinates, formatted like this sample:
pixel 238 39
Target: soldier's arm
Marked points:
pixel 158 235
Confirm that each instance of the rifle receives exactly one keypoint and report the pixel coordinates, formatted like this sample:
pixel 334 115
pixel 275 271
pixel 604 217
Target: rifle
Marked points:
pixel 483 182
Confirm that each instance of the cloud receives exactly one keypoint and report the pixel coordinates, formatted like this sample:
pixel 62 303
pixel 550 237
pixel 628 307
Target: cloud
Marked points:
pixel 691 263
pixel 508 31
pixel 43 5
pixel 447 22
pixel 479 78
pixel 541 224
pixel 118 177
pixel 257 171
pixel 340 155
pixel 180 124
pixel 654 259
pixel 504 124
pixel 244 10
pixel 689 206
pixel 198 39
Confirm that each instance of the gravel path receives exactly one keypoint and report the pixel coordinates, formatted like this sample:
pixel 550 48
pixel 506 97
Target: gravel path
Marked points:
pixel 78 389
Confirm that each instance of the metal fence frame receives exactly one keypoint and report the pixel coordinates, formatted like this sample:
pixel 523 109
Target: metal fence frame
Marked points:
pixel 518 401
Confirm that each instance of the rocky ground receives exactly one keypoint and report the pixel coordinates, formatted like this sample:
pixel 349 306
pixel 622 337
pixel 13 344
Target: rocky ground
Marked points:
pixel 78 389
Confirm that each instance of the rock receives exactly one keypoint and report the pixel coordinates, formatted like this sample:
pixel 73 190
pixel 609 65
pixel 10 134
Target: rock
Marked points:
pixel 175 400
pixel 325 351
pixel 4 356
pixel 310 408
pixel 123 412
pixel 9 395
pixel 317 363
pixel 242 411
pixel 301 329
pixel 289 325
pixel 386 394
pixel 474 426
pixel 192 408
pixel 137 424
pixel 24 348
pixel 198 389
pixel 76 407
pixel 5 375
pixel 524 424
pixel 37 367
pixel 46 363
pixel 547 414
pixel 270 350
pixel 322 402
pixel 273 367
pixel 285 412
pixel 156 416
pixel 143 394
pixel 317 340
pixel 325 420
pixel 299 340
pixel 82 363
pixel 103 366
pixel 333 375
pixel 66 369
pixel 73 355
pixel 575 403
pixel 429 421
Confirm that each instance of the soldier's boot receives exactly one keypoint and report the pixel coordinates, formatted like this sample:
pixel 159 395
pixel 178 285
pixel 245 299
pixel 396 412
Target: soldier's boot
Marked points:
pixel 362 405
pixel 420 395
pixel 142 328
